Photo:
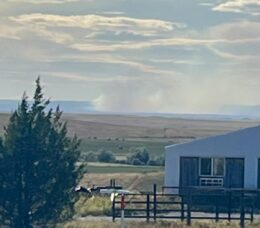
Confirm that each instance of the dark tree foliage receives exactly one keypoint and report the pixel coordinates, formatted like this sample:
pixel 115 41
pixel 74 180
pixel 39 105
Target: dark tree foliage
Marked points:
pixel 106 156
pixel 140 154
pixel 38 170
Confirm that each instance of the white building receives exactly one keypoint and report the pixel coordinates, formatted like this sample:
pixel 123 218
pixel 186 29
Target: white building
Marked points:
pixel 231 160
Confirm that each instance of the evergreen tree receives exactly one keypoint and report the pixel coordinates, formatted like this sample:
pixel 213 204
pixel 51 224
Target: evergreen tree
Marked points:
pixel 38 170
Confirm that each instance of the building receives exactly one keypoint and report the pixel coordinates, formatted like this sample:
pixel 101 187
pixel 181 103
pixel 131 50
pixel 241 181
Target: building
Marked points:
pixel 231 160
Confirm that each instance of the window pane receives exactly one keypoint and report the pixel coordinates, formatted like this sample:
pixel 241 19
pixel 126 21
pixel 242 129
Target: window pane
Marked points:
pixel 205 166
pixel 218 166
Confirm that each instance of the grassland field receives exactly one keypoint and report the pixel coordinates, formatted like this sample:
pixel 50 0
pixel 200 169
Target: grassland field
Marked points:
pixel 114 168
pixel 121 147
pixel 120 133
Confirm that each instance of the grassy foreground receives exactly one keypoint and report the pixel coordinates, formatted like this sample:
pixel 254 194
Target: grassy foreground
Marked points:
pixel 159 224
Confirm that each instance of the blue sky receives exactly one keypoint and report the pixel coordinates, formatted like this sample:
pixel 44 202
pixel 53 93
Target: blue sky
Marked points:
pixel 177 56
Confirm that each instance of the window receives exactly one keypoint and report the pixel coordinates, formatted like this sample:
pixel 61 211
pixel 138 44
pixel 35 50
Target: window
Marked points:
pixel 212 166
pixel 205 166
pixel 218 166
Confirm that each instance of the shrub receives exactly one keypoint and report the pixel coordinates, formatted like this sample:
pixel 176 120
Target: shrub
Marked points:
pixel 136 161
pixel 140 154
pixel 91 157
pixel 152 162
pixel 106 156
pixel 159 161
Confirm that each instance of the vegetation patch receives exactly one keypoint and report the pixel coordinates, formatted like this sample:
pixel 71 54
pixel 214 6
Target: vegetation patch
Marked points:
pixel 94 205
pixel 122 169
pixel 159 224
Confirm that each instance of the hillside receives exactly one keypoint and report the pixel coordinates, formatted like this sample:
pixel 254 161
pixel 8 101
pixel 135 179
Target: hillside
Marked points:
pixel 144 128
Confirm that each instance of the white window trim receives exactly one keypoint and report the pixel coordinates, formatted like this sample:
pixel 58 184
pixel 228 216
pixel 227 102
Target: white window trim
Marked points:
pixel 212 167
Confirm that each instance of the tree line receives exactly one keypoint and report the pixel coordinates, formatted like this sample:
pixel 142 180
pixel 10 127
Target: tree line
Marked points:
pixel 136 156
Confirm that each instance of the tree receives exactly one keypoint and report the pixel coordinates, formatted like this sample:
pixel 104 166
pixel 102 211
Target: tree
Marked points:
pixel 138 153
pixel 38 170
pixel 106 156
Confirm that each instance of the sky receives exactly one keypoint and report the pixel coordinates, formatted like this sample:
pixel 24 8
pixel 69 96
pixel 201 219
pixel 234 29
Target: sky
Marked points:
pixel 173 56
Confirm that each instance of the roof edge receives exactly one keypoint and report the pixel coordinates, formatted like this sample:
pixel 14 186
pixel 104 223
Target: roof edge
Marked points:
pixel 214 136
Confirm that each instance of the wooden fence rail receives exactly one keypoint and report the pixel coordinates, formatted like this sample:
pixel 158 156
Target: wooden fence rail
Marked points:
pixel 187 204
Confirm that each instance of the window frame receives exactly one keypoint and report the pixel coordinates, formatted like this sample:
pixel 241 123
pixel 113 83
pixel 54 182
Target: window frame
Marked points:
pixel 212 167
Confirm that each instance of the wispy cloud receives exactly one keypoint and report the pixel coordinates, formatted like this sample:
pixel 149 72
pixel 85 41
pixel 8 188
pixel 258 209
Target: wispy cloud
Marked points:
pixel 112 46
pixel 232 56
pixel 242 41
pixel 88 78
pixel 239 6
pixel 43 1
pixel 168 54
pixel 95 22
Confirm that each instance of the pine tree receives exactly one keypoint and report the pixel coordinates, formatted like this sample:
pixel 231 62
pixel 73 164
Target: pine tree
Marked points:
pixel 38 168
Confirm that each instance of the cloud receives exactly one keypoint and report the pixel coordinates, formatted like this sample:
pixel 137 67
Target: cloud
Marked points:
pixel 242 41
pixel 9 32
pixel 90 78
pixel 113 12
pixel 43 1
pixel 252 59
pixel 239 6
pixel 237 31
pixel 96 22
pixel 92 32
pixel 135 45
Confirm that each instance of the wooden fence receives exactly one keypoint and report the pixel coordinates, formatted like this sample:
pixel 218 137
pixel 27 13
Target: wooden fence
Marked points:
pixel 187 204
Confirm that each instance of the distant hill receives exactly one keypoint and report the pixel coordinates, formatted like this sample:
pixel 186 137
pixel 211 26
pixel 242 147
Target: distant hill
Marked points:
pixel 229 112
pixel 156 128
pixel 250 111
pixel 7 106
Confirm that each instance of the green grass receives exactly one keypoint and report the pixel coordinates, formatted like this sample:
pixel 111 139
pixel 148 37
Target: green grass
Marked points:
pixel 123 169
pixel 119 147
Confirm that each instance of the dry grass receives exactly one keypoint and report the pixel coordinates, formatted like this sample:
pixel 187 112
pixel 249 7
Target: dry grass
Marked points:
pixel 103 126
pixel 94 205
pixel 160 224
pixel 130 181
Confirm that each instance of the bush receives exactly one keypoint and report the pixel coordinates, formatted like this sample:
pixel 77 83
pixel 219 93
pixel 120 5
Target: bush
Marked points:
pixel 91 157
pixel 152 162
pixel 106 156
pixel 159 161
pixel 140 154
pixel 136 161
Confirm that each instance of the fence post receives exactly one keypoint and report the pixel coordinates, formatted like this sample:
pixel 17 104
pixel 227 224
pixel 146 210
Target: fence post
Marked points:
pixel 242 210
pixel 147 207
pixel 122 225
pixel 252 210
pixel 189 207
pixel 154 202
pixel 217 210
pixel 182 209
pixel 113 209
pixel 229 205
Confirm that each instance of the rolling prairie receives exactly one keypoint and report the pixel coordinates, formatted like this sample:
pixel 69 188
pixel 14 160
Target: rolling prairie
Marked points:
pixel 135 127
pixel 152 132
